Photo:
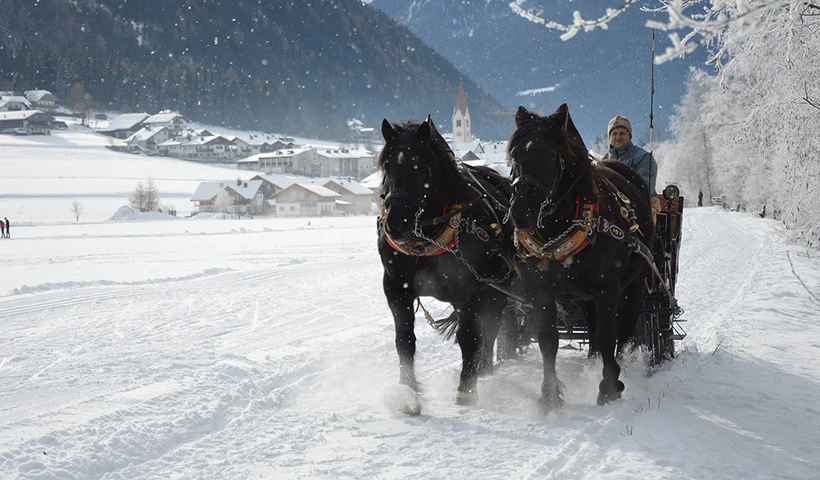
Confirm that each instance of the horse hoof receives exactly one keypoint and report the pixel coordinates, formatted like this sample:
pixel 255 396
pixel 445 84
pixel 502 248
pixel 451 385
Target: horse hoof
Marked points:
pixel 410 410
pixel 549 405
pixel 608 394
pixel 466 398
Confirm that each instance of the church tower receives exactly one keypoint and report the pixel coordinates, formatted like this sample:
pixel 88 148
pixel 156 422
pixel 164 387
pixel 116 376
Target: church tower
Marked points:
pixel 461 118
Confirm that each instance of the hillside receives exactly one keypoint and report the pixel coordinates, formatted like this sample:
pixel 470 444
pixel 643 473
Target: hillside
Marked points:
pixel 599 74
pixel 292 67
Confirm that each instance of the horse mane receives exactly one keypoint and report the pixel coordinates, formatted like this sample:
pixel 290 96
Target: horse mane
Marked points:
pixel 579 162
pixel 442 165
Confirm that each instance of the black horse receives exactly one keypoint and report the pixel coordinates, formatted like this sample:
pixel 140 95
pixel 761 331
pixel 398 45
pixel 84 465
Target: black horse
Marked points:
pixel 441 235
pixel 582 232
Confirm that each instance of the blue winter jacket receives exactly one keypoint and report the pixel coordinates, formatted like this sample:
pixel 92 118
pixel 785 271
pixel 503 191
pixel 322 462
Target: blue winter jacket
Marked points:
pixel 640 160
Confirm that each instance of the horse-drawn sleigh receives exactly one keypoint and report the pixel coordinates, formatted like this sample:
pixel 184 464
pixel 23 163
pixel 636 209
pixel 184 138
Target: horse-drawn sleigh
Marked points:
pixel 569 242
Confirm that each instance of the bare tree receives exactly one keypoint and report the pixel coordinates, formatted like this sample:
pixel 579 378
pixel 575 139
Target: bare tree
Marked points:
pixel 76 209
pixel 145 196
pixel 700 21
pixel 151 195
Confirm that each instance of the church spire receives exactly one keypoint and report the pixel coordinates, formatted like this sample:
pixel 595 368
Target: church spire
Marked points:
pixel 461 104
pixel 461 117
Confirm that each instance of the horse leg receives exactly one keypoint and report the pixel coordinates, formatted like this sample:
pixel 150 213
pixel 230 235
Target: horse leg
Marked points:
pixel 551 397
pixel 606 307
pixel 469 339
pixel 490 313
pixel 588 309
pixel 400 301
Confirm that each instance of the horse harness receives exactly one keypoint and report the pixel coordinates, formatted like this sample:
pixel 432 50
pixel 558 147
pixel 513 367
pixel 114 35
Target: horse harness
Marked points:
pixel 453 223
pixel 583 231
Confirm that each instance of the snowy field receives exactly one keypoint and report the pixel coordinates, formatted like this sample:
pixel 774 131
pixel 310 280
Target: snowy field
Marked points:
pixel 233 349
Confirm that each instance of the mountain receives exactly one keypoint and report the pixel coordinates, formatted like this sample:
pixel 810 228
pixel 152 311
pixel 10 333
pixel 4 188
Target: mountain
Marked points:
pixel 599 74
pixel 293 67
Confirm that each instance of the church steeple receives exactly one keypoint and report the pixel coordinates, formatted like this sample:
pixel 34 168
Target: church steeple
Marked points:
pixel 461 118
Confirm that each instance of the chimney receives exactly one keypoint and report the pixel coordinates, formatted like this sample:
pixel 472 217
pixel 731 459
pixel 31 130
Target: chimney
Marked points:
pixel 245 184
pixel 238 182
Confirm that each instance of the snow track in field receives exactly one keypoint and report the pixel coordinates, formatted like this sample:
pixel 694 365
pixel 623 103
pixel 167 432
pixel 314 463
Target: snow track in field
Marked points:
pixel 281 364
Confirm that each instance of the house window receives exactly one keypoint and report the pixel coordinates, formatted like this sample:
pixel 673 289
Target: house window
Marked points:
pixel 292 209
pixel 458 123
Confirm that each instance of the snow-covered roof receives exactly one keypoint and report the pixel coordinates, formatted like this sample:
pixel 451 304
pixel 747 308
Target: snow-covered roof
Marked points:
pixel 279 181
pixel 164 117
pixel 344 153
pixel 247 189
pixel 126 121
pixel 373 181
pixel 351 186
pixel 193 141
pixel 36 95
pixel 317 189
pixel 287 152
pixel 14 99
pixel 144 134
pixel 18 115
pixel 207 191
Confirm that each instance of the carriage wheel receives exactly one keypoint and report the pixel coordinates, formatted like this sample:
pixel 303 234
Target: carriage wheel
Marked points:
pixel 654 330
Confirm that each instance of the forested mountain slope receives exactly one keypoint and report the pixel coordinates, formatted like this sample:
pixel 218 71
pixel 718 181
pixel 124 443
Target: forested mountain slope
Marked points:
pixel 295 67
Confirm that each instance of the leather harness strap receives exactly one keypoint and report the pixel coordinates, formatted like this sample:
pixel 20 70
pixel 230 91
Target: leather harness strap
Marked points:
pixel 572 241
pixel 446 240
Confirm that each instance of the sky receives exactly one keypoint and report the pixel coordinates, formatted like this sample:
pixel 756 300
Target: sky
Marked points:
pixel 209 348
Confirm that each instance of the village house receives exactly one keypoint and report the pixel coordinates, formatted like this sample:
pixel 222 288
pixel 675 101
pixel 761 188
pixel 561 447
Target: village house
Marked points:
pixel 125 125
pixel 26 122
pixel 242 198
pixel 148 138
pixel 288 160
pixel 356 198
pixel 273 184
pixel 42 100
pixel 205 195
pixel 173 121
pixel 14 103
pixel 343 162
pixel 210 148
pixel 306 200
pixel 235 198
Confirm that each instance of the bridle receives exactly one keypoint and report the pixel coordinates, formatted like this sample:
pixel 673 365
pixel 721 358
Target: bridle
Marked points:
pixel 574 238
pixel 549 204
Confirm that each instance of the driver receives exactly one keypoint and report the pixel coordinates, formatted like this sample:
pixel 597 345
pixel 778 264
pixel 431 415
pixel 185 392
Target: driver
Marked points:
pixel 622 149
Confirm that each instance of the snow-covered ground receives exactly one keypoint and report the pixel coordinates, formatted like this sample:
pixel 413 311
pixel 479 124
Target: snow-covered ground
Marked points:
pixel 178 349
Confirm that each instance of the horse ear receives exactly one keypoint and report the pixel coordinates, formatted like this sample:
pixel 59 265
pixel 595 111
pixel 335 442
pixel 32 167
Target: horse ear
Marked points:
pixel 433 129
pixel 563 118
pixel 387 131
pixel 559 117
pixel 521 116
pixel 423 133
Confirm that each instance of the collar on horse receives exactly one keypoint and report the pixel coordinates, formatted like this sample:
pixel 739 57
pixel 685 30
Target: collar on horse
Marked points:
pixel 572 241
pixel 444 240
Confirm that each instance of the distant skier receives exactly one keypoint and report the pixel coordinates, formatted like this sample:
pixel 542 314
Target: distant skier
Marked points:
pixel 2 229
pixel 8 225
pixel 700 198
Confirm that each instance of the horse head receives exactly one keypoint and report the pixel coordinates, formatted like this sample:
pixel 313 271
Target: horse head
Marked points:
pixel 549 160
pixel 419 175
